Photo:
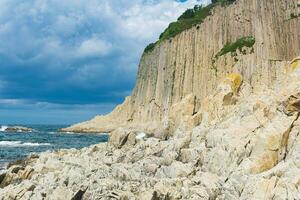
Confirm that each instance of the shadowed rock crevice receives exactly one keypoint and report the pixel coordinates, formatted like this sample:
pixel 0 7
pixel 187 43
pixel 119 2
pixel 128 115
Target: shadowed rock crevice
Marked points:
pixel 79 195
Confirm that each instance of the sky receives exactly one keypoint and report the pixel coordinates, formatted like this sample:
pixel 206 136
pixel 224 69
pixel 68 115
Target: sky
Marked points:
pixel 65 61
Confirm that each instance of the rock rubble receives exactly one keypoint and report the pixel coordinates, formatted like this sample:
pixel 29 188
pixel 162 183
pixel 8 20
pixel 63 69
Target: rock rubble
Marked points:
pixel 248 149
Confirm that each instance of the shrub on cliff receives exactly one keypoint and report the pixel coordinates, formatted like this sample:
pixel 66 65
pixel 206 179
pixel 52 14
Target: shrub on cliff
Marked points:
pixel 293 15
pixel 237 45
pixel 149 47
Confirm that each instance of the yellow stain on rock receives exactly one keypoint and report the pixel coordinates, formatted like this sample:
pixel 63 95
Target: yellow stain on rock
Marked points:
pixel 295 63
pixel 235 81
pixel 265 162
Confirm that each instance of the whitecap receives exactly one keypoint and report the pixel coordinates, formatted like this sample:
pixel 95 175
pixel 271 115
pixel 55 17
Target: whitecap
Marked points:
pixel 3 128
pixel 69 132
pixel 2 171
pixel 21 144
pixel 3 167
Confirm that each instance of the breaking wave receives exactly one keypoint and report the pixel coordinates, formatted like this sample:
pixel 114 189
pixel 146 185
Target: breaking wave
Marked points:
pixel 14 145
pixel 3 128
pixel 21 144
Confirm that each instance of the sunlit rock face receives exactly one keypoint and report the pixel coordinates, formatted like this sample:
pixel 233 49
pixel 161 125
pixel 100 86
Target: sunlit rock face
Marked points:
pixel 194 62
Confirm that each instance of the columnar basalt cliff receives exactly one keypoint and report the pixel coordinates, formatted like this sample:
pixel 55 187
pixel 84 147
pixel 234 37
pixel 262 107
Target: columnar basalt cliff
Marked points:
pixel 214 115
pixel 192 63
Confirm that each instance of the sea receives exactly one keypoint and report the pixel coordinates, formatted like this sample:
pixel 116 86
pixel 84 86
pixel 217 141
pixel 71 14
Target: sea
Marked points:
pixel 18 145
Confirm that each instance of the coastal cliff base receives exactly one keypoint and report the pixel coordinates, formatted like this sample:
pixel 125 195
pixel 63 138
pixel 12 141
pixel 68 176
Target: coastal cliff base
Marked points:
pixel 246 147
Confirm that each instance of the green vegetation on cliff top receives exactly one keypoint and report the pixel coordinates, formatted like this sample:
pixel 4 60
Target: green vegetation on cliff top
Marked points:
pixel 187 20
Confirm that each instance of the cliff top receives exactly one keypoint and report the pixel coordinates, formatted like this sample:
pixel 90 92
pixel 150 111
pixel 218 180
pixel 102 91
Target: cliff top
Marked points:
pixel 190 18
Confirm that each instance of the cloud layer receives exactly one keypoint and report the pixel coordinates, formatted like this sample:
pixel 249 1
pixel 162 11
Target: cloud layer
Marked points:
pixel 75 53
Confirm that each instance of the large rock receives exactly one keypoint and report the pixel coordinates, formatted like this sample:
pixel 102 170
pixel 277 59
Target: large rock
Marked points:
pixel 120 137
pixel 18 129
pixel 292 104
pixel 17 171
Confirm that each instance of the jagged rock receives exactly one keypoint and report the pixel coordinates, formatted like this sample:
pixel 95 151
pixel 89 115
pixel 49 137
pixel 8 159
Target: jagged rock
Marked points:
pixel 15 174
pixel 18 129
pixel 189 155
pixel 120 137
pixel 27 173
pixel 271 144
pixel 23 162
pixel 175 170
pixel 292 104
pixel 131 139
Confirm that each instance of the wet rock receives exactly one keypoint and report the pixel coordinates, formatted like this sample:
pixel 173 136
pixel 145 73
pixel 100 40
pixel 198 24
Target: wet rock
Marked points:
pixel 18 129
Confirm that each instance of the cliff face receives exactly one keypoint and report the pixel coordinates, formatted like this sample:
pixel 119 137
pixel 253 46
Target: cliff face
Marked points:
pixel 183 70
pixel 223 104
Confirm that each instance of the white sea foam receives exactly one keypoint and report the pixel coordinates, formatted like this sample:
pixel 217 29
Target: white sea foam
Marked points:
pixel 69 132
pixel 21 144
pixel 2 171
pixel 3 128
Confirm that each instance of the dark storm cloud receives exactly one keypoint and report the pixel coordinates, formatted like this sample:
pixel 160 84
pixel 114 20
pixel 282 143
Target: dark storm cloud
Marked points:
pixel 76 52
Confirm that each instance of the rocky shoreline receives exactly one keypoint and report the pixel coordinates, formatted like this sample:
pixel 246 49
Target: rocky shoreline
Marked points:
pixel 199 125
pixel 247 147
pixel 16 129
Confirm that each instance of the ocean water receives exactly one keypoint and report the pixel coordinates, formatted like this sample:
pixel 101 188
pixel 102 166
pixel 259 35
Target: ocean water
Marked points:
pixel 18 145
